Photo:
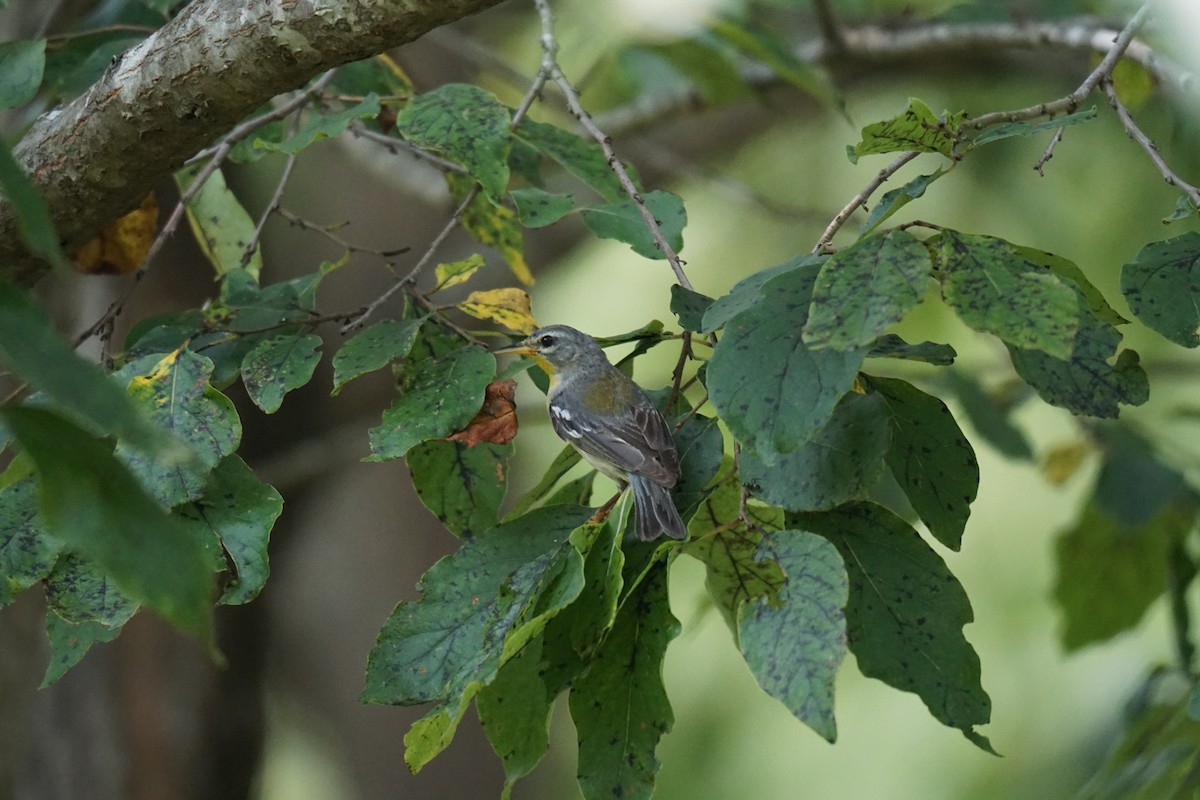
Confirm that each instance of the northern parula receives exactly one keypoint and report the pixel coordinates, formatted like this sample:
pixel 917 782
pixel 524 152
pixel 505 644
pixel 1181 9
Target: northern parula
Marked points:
pixel 604 415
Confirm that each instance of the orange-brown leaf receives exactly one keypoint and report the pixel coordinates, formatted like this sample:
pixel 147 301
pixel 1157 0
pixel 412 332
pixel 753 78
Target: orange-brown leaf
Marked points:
pixel 496 421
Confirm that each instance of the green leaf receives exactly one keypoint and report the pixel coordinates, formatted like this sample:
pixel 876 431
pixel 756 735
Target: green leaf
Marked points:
pixel 795 642
pixel 514 710
pixel 589 618
pixel 221 225
pixel 537 208
pixel 372 349
pixel 1065 268
pixel 322 126
pixel 78 590
pixel 906 613
pixel 896 199
pixel 700 447
pixel 990 416
pixel 915 129
pixel 278 365
pixel 1032 128
pixel 91 503
pixel 238 510
pixel 582 158
pixel 772 390
pixel 748 292
pixel 1109 575
pixel 1162 286
pixel 438 396
pixel 892 346
pixel 30 347
pixel 863 289
pixel 69 643
pixel 689 307
pixel 21 65
pixel 470 601
pixel 619 705
pixel 930 458
pixel 1134 485
pixel 27 552
pixel 1086 383
pixel 567 458
pixel 841 462
pixel 33 216
pixel 735 572
pixel 461 484
pixel 467 125
pixel 995 289
pixel 707 69
pixel 1185 208
pixel 178 397
pixel 775 52
pixel 623 221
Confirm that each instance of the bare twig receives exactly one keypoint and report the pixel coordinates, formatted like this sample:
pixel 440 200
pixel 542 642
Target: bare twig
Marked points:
pixel 1144 141
pixel 1048 153
pixel 861 198
pixel 394 144
pixel 284 176
pixel 328 232
pixel 426 257
pixel 575 106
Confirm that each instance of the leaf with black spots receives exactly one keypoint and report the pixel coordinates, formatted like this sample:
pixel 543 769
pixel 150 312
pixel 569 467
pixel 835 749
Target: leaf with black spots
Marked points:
pixel 238 510
pixel 906 613
pixel 583 158
pixel 1162 285
pixel 438 396
pixel 917 128
pixel 514 710
pixel 178 396
pixel 863 289
pixel 70 642
pixel 795 640
pixel 840 462
pixel 1086 383
pixel 996 289
pixel 27 552
pixel 772 390
pixel 466 124
pixel 537 208
pixel 892 346
pixel 689 307
pixel 932 461
pixel 91 503
pixel 624 222
pixel 278 365
pixel 461 484
pixel 748 292
pixel 373 348
pixel 619 705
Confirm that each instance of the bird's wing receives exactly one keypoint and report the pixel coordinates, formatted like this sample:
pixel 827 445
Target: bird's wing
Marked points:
pixel 637 442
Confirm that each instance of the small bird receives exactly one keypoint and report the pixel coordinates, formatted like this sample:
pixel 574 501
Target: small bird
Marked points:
pixel 604 415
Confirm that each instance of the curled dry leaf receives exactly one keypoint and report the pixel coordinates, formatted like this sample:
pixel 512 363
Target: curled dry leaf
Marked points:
pixel 496 421
pixel 122 246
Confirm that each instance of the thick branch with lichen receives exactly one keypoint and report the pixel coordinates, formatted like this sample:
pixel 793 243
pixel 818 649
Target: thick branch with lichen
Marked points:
pixel 185 86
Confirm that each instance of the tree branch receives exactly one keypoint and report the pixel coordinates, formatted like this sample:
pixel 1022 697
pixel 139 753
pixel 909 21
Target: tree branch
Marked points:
pixel 185 86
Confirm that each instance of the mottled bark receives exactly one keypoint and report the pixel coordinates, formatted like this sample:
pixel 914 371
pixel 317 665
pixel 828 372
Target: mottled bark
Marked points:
pixel 182 88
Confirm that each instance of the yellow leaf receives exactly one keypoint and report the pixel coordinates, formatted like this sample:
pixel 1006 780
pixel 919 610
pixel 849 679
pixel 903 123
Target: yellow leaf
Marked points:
pixel 122 246
pixel 509 307
pixel 494 226
pixel 457 272
pixel 1064 460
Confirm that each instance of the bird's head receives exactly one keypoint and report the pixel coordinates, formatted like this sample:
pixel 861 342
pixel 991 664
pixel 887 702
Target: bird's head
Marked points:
pixel 557 348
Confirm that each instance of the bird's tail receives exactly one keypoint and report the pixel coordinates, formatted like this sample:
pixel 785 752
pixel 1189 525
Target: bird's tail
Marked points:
pixel 654 514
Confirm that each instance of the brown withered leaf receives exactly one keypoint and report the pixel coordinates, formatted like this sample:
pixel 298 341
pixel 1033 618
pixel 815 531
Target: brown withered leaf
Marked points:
pixel 122 246
pixel 496 421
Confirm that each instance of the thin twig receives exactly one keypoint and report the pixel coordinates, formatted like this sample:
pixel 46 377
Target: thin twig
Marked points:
pixel 1048 153
pixel 575 106
pixel 327 232
pixel 284 176
pixel 1144 141
pixel 861 198
pixel 394 143
pixel 426 257
pixel 1070 103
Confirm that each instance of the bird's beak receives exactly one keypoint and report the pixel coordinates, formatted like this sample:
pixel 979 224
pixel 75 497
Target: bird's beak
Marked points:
pixel 519 349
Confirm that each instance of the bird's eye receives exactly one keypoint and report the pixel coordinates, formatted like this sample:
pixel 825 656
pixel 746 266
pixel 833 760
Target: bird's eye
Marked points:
pixel 546 341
